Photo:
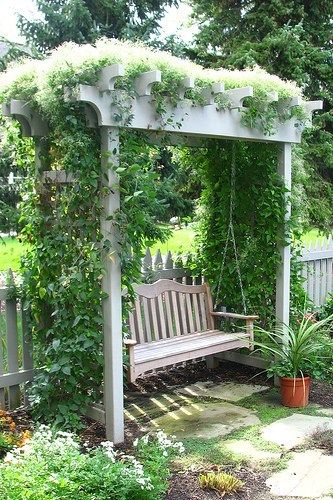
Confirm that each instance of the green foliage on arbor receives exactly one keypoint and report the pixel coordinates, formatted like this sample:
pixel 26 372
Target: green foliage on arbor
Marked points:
pixel 15 155
pixel 83 21
pixel 257 216
pixel 292 39
pixel 63 270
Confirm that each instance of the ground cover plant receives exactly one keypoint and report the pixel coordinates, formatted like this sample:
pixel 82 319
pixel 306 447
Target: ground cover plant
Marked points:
pixel 53 465
pixel 62 268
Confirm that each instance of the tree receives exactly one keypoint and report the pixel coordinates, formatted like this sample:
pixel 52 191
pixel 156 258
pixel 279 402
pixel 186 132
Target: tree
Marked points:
pixel 292 39
pixel 83 21
pixel 11 51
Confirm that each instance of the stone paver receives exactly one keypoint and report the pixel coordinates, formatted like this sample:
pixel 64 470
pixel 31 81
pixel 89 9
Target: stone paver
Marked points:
pixel 291 431
pixel 228 391
pixel 309 475
pixel 206 420
pixel 248 450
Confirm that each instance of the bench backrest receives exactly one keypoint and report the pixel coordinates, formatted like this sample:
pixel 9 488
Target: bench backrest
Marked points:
pixel 167 309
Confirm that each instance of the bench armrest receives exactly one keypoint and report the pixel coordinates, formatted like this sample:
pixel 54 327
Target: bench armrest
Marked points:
pixel 234 315
pixel 129 342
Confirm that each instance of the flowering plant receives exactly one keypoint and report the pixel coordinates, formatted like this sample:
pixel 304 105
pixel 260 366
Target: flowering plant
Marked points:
pixel 9 436
pixel 52 465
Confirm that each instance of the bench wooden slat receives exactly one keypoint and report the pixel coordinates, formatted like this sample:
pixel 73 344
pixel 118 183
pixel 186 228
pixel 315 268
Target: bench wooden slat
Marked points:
pixel 203 311
pixel 189 313
pixel 168 314
pixel 131 325
pixel 146 314
pixel 152 303
pixel 196 312
pixel 139 320
pixel 166 349
pixel 192 339
pixel 182 311
pixel 175 312
pixel 160 305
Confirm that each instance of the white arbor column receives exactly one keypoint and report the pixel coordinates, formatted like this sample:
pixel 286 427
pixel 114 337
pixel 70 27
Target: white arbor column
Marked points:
pixel 111 286
pixel 283 271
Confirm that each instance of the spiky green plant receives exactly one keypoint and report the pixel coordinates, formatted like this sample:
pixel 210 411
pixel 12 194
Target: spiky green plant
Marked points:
pixel 294 348
pixel 220 481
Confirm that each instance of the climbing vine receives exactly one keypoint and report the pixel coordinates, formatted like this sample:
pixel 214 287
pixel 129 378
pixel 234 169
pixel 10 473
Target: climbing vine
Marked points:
pixel 62 270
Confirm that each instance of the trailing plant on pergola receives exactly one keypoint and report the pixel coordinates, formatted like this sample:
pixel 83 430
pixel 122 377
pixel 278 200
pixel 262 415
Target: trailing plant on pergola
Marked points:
pixel 107 97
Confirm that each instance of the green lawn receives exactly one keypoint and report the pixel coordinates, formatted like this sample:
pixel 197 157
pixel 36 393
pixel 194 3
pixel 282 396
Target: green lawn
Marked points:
pixel 181 241
pixel 11 250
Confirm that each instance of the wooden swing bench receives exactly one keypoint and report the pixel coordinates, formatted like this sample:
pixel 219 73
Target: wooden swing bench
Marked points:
pixel 172 323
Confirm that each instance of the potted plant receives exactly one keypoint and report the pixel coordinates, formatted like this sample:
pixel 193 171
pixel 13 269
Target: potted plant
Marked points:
pixel 295 350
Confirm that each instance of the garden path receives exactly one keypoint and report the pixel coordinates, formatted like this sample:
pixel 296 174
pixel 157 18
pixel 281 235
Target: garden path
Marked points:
pixel 243 423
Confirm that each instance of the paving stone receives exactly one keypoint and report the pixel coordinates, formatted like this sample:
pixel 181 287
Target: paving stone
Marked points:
pixel 248 450
pixel 228 391
pixel 206 420
pixel 309 475
pixel 292 431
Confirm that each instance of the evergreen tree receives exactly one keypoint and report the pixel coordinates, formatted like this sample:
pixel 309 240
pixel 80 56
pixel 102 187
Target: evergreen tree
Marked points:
pixel 86 20
pixel 292 39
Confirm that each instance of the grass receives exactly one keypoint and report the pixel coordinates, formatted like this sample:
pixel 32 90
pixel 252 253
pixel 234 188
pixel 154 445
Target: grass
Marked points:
pixel 312 236
pixel 180 242
pixel 11 250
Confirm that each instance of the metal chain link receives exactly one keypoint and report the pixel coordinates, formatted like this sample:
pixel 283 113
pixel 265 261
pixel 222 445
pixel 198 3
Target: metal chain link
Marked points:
pixel 231 234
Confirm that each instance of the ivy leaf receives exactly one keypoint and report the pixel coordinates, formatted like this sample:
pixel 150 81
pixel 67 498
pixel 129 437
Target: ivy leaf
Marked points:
pixel 42 292
pixel 56 344
pixel 66 370
pixel 55 368
pixel 77 319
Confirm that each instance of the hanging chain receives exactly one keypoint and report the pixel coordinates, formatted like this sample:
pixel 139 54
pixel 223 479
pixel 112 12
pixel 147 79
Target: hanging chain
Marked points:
pixel 231 235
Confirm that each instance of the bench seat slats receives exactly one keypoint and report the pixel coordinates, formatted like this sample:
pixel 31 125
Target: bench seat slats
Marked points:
pixel 189 342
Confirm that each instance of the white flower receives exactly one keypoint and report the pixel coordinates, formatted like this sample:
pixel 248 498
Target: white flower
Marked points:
pixel 135 442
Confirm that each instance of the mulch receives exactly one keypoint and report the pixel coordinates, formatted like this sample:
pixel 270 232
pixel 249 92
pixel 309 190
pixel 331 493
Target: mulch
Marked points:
pixel 198 371
pixel 321 393
pixel 185 486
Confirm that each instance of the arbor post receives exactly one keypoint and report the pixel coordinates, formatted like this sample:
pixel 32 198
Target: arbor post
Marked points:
pixel 111 286
pixel 283 271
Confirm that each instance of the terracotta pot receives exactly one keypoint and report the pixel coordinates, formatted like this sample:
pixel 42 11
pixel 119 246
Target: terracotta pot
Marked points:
pixel 295 391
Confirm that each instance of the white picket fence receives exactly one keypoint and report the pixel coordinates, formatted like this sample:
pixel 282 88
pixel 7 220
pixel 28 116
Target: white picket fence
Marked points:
pixel 317 270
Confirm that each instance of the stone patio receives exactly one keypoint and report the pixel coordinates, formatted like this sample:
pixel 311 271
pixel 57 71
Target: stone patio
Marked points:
pixel 308 475
pixel 292 431
pixel 228 391
pixel 206 420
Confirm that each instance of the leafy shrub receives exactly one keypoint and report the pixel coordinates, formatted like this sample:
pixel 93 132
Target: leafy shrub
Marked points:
pixel 220 481
pixel 327 308
pixel 52 466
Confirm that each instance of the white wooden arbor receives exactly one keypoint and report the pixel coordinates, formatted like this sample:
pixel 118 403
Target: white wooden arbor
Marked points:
pixel 185 123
